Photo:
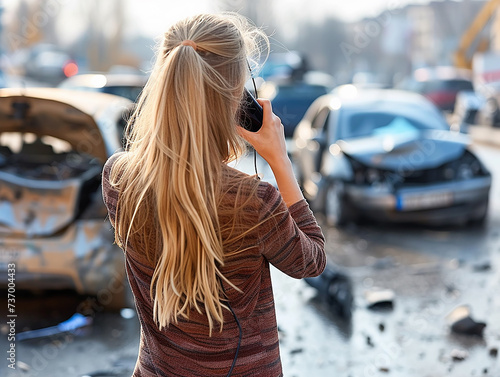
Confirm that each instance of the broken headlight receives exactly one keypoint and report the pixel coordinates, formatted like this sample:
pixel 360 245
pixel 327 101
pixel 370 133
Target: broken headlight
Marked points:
pixel 466 167
pixel 364 175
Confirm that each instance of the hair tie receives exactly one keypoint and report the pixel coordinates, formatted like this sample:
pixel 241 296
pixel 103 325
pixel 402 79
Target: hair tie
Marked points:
pixel 189 42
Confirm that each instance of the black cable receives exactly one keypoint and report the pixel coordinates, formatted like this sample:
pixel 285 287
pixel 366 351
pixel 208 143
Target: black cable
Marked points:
pixel 255 163
pixel 256 96
pixel 239 340
pixel 239 330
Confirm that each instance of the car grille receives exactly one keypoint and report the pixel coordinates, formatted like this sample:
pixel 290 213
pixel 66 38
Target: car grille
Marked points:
pixel 424 176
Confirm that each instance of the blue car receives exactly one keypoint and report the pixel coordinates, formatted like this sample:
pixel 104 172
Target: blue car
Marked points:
pixel 387 155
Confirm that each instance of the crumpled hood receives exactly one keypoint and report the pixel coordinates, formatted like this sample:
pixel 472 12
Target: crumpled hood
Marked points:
pixel 419 149
pixel 62 114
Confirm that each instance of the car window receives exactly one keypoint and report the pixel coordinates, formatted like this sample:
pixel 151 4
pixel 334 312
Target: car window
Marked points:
pixel 458 85
pixel 365 124
pixel 438 85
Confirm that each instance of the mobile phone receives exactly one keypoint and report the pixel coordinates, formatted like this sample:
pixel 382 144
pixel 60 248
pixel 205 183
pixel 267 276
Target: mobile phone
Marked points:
pixel 251 113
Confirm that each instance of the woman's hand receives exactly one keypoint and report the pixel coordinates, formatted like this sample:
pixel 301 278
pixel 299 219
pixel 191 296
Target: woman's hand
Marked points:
pixel 269 142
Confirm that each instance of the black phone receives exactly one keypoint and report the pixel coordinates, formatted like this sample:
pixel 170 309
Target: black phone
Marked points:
pixel 251 113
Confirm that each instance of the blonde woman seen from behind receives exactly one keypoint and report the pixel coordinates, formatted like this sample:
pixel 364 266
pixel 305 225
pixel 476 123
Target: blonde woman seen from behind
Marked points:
pixel 198 235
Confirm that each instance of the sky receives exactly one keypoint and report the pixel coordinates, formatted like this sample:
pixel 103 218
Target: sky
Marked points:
pixel 152 17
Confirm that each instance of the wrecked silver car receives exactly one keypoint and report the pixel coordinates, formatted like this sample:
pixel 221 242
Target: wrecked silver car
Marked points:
pixel 387 155
pixel 53 144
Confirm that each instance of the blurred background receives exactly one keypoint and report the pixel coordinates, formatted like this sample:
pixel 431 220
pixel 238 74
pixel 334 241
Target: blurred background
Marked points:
pixel 391 112
pixel 377 41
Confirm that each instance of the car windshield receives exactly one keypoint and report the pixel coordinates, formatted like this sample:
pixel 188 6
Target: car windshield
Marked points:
pixel 365 124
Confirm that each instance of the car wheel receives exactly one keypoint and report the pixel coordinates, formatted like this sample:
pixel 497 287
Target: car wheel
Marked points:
pixel 335 206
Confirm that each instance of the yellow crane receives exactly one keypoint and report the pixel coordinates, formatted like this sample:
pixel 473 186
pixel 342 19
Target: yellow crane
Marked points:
pixel 461 59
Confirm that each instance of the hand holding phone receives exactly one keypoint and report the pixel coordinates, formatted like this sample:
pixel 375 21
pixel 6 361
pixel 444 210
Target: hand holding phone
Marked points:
pixel 270 144
pixel 251 113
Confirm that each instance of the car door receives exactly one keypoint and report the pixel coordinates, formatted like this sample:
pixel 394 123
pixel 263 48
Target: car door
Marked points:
pixel 312 154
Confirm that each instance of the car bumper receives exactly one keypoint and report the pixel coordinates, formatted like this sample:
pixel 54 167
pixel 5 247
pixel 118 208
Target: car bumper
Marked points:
pixel 82 258
pixel 432 203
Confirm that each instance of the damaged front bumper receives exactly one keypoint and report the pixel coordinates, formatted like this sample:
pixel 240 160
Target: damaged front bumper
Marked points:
pixel 436 203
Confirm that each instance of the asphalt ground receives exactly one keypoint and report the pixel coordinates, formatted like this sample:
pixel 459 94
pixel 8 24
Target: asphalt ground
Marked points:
pixel 430 271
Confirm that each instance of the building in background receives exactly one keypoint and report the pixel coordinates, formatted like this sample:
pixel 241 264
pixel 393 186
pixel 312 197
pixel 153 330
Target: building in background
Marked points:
pixel 398 41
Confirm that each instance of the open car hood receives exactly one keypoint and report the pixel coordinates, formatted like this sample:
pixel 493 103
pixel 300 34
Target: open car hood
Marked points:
pixel 66 115
pixel 42 192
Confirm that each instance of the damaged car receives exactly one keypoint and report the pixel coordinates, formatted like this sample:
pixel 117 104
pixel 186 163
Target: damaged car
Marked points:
pixel 53 227
pixel 387 155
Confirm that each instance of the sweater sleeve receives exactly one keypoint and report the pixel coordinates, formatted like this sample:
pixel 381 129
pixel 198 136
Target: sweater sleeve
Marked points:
pixel 290 238
pixel 109 194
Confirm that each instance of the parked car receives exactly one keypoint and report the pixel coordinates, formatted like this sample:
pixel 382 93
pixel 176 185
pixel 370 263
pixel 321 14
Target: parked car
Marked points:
pixel 440 85
pixel 387 155
pixel 49 64
pixel 126 85
pixel 489 113
pixel 53 145
pixel 291 100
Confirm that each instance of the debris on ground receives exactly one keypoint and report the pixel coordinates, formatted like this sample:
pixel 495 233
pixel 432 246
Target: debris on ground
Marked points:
pixel 23 366
pixel 369 341
pixel 494 352
pixel 458 355
pixel 76 322
pixel 482 266
pixel 335 288
pixel 461 322
pixel 378 298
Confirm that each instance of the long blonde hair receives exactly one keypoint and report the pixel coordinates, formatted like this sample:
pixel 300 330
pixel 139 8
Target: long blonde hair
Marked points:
pixel 183 130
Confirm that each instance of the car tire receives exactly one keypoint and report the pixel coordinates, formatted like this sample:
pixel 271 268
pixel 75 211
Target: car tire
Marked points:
pixel 336 211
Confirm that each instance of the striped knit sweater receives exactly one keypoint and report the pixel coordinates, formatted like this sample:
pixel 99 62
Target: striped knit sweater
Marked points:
pixel 293 243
